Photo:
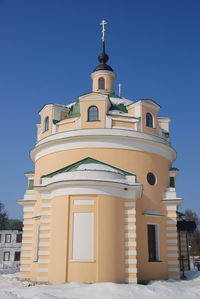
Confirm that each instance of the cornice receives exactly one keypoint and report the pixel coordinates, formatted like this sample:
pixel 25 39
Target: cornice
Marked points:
pixel 103 138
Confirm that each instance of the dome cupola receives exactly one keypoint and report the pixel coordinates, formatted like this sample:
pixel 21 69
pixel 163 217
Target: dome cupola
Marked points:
pixel 103 75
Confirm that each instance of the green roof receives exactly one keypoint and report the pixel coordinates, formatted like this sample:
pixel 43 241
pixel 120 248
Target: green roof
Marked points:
pixel 74 110
pixel 87 160
pixel 120 107
pixel 113 95
pixel 174 168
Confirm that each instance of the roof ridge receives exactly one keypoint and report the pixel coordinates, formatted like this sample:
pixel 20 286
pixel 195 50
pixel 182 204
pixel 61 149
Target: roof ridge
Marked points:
pixel 84 161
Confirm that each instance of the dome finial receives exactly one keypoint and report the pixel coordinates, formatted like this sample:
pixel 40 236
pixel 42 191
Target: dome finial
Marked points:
pixel 103 23
pixel 103 57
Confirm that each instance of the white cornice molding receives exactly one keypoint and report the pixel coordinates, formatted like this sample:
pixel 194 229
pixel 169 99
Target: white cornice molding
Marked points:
pixel 95 96
pixel 68 121
pixel 103 133
pixel 26 202
pixel 103 138
pixel 103 98
pixel 142 102
pixel 164 119
pixel 103 72
pixel 153 214
pixel 48 107
pixel 173 201
pixel 126 120
pixel 91 175
pixel 154 107
pixel 90 187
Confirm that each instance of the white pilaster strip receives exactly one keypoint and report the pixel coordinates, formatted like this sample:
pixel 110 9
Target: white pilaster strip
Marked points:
pixel 130 259
pixel 172 240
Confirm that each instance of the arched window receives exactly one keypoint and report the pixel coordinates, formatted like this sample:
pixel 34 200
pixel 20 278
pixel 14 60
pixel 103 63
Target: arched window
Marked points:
pixel 149 120
pixel 46 124
pixel 101 83
pixel 93 113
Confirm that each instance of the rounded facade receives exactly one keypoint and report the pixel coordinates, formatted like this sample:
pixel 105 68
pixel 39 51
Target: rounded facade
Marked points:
pixel 101 207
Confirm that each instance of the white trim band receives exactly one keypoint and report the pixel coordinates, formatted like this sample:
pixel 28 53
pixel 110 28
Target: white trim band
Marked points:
pixel 130 235
pixel 43 270
pixel 43 252
pixel 130 244
pixel 130 227
pixel 129 204
pixel 131 219
pixel 130 270
pixel 131 261
pixel 130 252
pixel 42 279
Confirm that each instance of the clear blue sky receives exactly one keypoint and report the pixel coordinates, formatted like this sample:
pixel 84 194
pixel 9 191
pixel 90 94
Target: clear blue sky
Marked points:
pixel 48 48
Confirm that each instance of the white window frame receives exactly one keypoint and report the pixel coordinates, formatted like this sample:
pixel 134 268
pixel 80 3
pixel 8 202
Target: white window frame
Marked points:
pixel 153 122
pixel 8 238
pixel 46 124
pixel 37 236
pixel 4 256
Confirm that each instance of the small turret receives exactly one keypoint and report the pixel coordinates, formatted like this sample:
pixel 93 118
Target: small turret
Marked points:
pixel 103 76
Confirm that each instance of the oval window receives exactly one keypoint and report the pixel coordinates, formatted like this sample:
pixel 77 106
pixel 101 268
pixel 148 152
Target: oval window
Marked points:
pixel 151 179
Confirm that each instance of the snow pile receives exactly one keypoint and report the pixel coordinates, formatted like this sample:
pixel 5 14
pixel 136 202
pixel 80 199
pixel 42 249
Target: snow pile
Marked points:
pixel 95 166
pixel 12 288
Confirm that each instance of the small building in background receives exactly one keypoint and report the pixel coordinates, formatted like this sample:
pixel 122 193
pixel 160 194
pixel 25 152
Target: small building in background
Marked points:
pixel 185 227
pixel 10 248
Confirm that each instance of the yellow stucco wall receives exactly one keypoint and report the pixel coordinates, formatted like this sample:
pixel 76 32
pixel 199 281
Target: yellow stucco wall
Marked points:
pixel 125 159
pixel 109 80
pixel 66 126
pixel 118 123
pixel 108 264
pixel 150 270
pixel 44 133
pixel 101 105
pixel 146 129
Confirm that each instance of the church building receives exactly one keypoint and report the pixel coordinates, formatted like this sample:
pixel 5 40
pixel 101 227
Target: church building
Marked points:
pixel 101 202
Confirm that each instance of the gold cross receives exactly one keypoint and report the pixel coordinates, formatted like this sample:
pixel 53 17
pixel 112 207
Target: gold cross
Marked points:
pixel 103 23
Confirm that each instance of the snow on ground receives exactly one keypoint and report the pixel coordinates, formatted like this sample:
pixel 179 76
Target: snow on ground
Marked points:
pixel 12 288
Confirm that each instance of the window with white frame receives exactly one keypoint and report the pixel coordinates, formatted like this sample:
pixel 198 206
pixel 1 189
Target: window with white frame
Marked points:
pixel 36 251
pixel 101 83
pixel 7 238
pixel 153 242
pixel 46 124
pixel 149 120
pixel 6 256
pixel 93 113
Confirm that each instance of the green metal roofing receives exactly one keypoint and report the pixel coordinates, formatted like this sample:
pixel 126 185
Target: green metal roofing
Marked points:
pixel 174 168
pixel 74 110
pixel 87 160
pixel 113 95
pixel 120 107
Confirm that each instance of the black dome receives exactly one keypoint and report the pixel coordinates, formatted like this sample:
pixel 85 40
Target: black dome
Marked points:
pixel 103 67
pixel 103 58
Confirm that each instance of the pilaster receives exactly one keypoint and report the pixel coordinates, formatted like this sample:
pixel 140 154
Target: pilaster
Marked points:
pixel 130 253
